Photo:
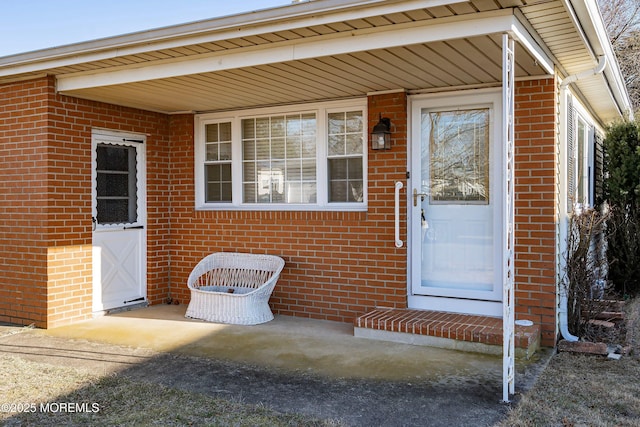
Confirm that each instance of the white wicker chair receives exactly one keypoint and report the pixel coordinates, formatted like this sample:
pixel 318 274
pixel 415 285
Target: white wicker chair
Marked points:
pixel 233 288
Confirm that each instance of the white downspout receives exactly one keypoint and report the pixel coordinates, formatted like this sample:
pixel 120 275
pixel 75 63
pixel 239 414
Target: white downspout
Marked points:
pixel 562 310
pixel 564 322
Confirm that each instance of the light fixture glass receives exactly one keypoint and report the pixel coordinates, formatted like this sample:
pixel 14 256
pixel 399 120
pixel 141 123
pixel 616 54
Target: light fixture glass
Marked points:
pixel 381 134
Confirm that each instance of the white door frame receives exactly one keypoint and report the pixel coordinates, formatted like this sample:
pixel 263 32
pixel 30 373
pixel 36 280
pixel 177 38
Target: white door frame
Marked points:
pixel 454 100
pixel 134 232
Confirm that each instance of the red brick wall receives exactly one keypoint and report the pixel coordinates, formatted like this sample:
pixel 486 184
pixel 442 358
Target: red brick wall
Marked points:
pixel 338 264
pixel 23 202
pixel 45 162
pixel 535 205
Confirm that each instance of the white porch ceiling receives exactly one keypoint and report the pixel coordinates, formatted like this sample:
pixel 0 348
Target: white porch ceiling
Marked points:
pixel 415 67
pixel 320 50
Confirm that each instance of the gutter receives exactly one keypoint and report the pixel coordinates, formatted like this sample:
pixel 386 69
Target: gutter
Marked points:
pixel 588 20
pixel 602 63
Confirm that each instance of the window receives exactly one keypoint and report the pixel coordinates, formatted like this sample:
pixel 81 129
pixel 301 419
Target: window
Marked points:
pixel 344 159
pixel 217 167
pixel 580 160
pixel 459 147
pixel 116 189
pixel 284 158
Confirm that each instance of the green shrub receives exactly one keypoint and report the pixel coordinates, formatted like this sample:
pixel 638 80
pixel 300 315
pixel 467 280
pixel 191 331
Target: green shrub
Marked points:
pixel 621 188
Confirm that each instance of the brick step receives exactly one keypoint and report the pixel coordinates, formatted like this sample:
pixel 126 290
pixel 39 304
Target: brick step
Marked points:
pixel 464 332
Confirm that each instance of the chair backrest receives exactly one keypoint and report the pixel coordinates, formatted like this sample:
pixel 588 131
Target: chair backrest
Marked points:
pixel 235 269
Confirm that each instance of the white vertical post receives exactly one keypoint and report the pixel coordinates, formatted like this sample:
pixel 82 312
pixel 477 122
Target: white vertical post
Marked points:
pixel 508 299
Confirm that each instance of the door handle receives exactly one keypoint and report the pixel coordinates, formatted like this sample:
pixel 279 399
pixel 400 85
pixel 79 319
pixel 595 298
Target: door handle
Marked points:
pixel 415 197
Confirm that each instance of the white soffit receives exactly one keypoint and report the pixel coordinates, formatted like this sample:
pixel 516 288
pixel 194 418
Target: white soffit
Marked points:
pixel 456 27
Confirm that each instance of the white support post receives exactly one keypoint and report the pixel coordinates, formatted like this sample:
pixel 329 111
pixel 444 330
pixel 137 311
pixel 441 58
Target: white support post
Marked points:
pixel 508 300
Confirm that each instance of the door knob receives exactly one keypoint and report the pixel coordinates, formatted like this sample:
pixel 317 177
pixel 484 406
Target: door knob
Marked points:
pixel 415 197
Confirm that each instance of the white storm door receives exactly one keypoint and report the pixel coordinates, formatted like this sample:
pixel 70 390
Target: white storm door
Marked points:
pixel 456 210
pixel 118 210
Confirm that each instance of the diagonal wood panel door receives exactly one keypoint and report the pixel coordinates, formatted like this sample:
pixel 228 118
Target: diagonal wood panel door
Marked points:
pixel 118 206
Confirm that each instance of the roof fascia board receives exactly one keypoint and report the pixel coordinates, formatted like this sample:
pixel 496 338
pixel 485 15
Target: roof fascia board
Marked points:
pixel 588 21
pixel 335 44
pixel 529 38
pixel 241 25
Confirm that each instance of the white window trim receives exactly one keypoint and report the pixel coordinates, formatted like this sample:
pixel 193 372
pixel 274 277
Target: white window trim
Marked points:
pixel 581 115
pixel 235 117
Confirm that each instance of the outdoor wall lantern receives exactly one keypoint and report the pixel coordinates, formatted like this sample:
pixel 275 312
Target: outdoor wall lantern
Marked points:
pixel 381 135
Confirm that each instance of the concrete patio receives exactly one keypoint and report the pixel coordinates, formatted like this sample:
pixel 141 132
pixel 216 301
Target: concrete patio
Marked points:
pixel 311 366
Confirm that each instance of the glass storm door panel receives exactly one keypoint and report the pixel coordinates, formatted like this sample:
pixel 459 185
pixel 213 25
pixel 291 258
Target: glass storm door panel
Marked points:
pixel 455 216
pixel 118 222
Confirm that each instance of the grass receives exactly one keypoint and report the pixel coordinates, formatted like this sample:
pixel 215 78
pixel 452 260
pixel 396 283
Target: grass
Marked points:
pixel 119 401
pixel 585 390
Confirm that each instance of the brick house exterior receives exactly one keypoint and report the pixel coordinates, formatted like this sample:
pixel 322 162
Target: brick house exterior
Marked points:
pixel 339 263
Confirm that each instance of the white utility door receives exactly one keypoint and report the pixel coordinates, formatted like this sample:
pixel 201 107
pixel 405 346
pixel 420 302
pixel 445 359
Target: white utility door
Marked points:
pixel 455 203
pixel 118 215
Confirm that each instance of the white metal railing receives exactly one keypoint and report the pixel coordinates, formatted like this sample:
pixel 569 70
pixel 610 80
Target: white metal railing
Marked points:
pixel 508 299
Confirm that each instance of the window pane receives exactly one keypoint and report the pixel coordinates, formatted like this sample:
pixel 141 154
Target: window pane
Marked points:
pixel 263 151
pixel 249 150
pixel 277 148
pixel 294 193
pixel 224 150
pixel 309 146
pixel 112 184
pixel 249 172
pixel 249 192
pixel 355 168
pixel 294 170
pixel 345 180
pixel 354 143
pixel 212 152
pixel 459 164
pixel 218 178
pixel 262 128
pixel 277 127
pixel 225 131
pixel 113 211
pixel 581 160
pixel 113 157
pixel 337 169
pixel 116 189
pixel 336 145
pixel 308 125
pixel 338 191
pixel 248 128
pixel 309 170
pixel 336 123
pixel 354 122
pixel 309 192
pixel 294 147
pixel 294 126
pixel 212 132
